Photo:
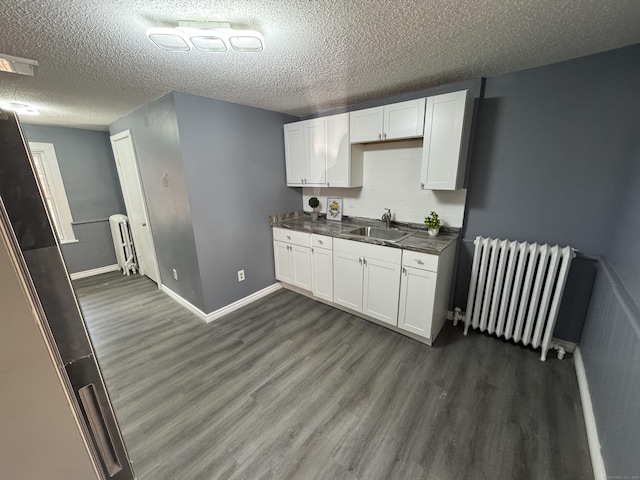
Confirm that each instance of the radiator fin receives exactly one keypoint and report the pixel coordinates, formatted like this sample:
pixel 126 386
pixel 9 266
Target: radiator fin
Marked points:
pixel 516 289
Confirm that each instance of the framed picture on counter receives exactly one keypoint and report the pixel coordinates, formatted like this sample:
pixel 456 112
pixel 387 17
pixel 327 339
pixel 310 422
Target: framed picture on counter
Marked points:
pixel 334 209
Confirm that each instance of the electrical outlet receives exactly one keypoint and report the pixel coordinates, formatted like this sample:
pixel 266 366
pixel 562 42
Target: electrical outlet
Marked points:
pixel 175 274
pixel 351 202
pixel 241 275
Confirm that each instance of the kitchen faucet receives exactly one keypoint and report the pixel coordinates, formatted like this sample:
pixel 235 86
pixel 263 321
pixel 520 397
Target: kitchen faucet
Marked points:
pixel 386 216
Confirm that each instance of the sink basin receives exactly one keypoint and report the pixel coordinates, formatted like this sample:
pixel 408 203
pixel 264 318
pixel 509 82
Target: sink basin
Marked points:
pixel 388 234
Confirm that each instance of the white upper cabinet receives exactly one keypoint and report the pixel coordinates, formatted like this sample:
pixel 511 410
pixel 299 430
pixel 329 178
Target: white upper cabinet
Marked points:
pixel 318 153
pixel 389 122
pixel 366 125
pixel 305 153
pixel 344 166
pixel 446 141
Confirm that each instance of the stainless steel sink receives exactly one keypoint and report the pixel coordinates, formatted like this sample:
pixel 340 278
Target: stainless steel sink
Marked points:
pixel 387 234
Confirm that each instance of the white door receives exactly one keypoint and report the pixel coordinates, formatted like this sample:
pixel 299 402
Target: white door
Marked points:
pixel 283 261
pixel 366 125
pixel 417 292
pixel 294 153
pixel 347 280
pixel 322 273
pixel 404 119
pixel 443 134
pixel 301 266
pixel 315 142
pixel 381 289
pixel 134 201
pixel 338 151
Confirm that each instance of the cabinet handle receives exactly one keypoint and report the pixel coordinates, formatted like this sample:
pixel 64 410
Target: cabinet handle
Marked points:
pixel 312 251
pixel 327 184
pixel 360 260
pixel 404 270
pixel 364 261
pixel 422 186
pixel 379 136
pixel 384 136
pixel 288 237
pixel 419 262
pixel 320 242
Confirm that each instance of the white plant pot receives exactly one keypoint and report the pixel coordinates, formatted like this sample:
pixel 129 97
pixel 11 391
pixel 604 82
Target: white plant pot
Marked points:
pixel 314 216
pixel 433 232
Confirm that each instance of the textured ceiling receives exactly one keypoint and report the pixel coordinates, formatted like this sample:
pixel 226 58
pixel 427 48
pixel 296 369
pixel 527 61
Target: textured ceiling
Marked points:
pixel 96 64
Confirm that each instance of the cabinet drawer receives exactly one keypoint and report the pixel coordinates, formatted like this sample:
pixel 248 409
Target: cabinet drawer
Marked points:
pixel 367 250
pixel 321 241
pixel 291 236
pixel 423 261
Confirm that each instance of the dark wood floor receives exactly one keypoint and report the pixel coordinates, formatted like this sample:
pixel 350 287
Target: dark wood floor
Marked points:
pixel 290 388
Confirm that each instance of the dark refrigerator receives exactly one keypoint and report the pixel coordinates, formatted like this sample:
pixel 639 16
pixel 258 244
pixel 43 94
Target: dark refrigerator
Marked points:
pixel 24 216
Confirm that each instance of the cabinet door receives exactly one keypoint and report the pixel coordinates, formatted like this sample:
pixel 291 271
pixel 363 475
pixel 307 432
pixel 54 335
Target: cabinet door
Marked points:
pixel 322 273
pixel 338 151
pixel 301 266
pixel 283 261
pixel 366 125
pixel 417 292
pixel 404 119
pixel 347 280
pixel 315 145
pixel 446 141
pixel 381 289
pixel 294 153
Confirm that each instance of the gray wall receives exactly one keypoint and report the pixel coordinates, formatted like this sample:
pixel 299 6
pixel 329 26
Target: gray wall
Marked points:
pixel 556 159
pixel 154 129
pixel 91 182
pixel 234 162
pixel 551 151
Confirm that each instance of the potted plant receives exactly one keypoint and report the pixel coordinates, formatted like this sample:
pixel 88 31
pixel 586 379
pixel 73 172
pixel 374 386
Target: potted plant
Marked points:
pixel 314 203
pixel 433 224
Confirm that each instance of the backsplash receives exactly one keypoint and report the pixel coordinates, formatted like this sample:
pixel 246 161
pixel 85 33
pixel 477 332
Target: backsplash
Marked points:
pixel 392 180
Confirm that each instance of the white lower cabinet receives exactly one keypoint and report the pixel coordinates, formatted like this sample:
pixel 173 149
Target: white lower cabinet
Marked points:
pixel 408 290
pixel 292 255
pixel 424 292
pixel 348 280
pixel 417 291
pixel 322 267
pixel 366 278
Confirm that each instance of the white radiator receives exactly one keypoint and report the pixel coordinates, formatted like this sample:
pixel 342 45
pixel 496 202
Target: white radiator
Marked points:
pixel 515 290
pixel 123 243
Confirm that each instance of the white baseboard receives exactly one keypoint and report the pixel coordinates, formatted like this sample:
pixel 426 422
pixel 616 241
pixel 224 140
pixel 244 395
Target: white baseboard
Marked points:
pixel 597 462
pixel 94 271
pixel 185 303
pixel 210 317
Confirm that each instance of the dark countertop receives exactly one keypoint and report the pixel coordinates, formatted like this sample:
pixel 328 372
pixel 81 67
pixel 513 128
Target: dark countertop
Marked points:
pixel 420 241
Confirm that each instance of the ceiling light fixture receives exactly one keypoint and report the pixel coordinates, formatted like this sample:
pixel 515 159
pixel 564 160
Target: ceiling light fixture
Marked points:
pixel 22 66
pixel 212 37
pixel 20 108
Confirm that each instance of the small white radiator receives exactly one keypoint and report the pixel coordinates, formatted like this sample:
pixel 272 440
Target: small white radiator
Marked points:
pixel 123 243
pixel 515 290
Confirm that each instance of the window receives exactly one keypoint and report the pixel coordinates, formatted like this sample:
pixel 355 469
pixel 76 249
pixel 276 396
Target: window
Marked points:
pixel 48 172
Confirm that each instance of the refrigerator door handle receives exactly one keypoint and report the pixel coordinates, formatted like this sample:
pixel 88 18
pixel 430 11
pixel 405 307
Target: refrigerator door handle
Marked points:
pixel 99 429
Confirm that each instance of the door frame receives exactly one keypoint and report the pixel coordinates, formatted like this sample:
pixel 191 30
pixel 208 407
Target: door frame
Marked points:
pixel 115 138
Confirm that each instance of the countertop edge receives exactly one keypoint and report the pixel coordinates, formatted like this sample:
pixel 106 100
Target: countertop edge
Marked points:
pixel 418 242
